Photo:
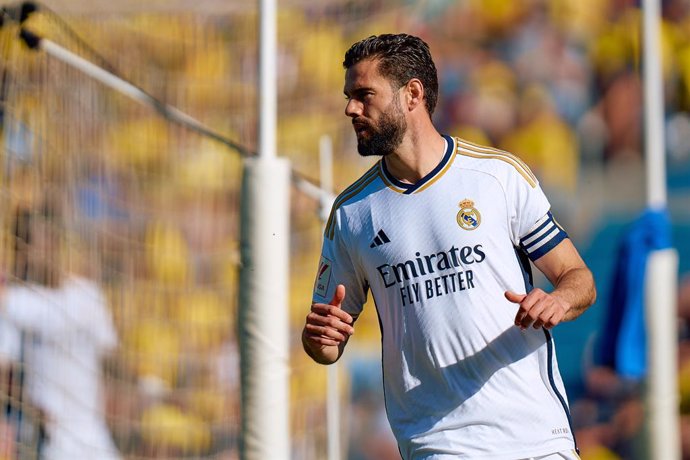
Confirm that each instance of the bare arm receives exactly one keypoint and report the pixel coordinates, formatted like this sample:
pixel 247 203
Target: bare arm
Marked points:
pixel 327 329
pixel 574 290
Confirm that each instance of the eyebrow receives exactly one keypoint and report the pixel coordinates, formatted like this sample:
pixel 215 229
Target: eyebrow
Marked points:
pixel 357 91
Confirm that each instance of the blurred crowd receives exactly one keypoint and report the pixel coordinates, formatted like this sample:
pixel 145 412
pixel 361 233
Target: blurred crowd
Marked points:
pixel 152 208
pixel 610 416
pixel 559 84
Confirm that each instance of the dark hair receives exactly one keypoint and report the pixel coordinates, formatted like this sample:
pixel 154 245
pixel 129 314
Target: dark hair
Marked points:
pixel 401 58
pixel 22 238
pixel 24 219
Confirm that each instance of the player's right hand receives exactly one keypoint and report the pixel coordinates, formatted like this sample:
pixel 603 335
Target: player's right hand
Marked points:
pixel 327 324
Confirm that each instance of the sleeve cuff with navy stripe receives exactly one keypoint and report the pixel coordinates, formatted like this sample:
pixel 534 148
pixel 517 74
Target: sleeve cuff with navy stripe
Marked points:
pixel 543 237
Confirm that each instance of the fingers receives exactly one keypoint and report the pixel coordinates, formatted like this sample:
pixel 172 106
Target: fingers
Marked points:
pixel 338 296
pixel 334 308
pixel 537 309
pixel 514 297
pixel 324 336
pixel 529 311
pixel 327 329
pixel 328 316
pixel 329 324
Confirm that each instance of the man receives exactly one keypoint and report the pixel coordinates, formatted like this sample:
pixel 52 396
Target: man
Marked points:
pixel 441 232
pixel 57 326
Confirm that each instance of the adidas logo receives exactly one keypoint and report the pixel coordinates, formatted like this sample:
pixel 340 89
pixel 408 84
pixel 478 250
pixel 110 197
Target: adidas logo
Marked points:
pixel 381 238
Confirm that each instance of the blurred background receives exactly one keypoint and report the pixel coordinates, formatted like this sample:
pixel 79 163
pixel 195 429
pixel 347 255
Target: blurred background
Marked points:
pixel 148 210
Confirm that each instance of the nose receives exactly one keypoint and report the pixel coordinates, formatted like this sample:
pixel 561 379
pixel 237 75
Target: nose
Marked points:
pixel 353 108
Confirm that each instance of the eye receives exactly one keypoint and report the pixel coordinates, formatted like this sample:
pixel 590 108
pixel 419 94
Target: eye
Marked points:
pixel 360 95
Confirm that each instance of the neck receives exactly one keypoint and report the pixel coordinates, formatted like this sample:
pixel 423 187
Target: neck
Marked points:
pixel 418 154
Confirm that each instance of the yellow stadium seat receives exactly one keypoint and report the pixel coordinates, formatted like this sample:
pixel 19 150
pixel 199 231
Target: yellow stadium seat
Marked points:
pixel 683 62
pixel 582 19
pixel 152 349
pixel 497 14
pixel 684 388
pixel 213 405
pixel 138 143
pixel 472 134
pixel 299 134
pixel 167 254
pixel 598 453
pixel 208 167
pixel 167 429
pixel 545 142
pixel 207 75
pixel 291 23
pixel 321 52
pixel 164 38
pixel 204 321
pixel 494 75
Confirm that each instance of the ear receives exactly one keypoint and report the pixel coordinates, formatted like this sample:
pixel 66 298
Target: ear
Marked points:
pixel 414 94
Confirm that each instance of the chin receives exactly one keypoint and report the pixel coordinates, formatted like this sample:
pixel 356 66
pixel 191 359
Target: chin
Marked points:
pixel 366 151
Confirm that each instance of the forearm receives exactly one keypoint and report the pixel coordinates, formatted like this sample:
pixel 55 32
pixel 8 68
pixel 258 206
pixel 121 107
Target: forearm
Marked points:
pixel 576 289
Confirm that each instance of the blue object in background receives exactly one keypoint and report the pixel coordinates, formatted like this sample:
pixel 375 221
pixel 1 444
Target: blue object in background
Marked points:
pixel 623 340
pixel 579 342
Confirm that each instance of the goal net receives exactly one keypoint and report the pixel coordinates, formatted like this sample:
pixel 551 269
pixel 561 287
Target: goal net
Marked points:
pixel 143 212
pixel 147 214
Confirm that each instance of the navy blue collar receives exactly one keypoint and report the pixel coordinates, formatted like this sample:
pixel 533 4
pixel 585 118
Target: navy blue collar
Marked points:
pixel 408 189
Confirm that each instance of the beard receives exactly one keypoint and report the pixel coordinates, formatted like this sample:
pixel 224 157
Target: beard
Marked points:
pixel 385 137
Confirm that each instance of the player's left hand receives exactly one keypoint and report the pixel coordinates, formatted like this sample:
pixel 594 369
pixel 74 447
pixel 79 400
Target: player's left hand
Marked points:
pixel 537 309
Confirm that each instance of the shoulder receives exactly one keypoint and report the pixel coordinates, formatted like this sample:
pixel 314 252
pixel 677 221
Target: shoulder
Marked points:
pixel 503 165
pixel 83 288
pixel 355 193
pixel 360 187
pixel 19 291
pixel 79 282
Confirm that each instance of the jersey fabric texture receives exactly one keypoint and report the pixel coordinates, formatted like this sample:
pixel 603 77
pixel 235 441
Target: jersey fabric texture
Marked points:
pixel 460 379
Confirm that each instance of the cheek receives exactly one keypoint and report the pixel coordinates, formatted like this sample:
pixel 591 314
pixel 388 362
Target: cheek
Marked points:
pixel 371 113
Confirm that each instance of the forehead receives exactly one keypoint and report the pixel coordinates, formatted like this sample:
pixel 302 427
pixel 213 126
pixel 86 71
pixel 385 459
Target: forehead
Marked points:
pixel 364 74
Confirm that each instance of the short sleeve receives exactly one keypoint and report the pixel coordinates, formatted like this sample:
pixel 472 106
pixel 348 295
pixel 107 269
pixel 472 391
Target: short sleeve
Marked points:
pixel 10 341
pixel 96 314
pixel 22 309
pixel 534 228
pixel 336 266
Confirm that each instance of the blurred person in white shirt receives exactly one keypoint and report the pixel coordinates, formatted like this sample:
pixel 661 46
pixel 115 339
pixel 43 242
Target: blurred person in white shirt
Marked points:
pixel 58 326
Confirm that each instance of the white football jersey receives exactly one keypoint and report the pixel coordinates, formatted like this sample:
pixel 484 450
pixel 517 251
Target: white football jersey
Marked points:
pixel 61 336
pixel 460 379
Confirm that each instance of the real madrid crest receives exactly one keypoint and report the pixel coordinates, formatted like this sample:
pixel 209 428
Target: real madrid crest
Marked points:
pixel 468 217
